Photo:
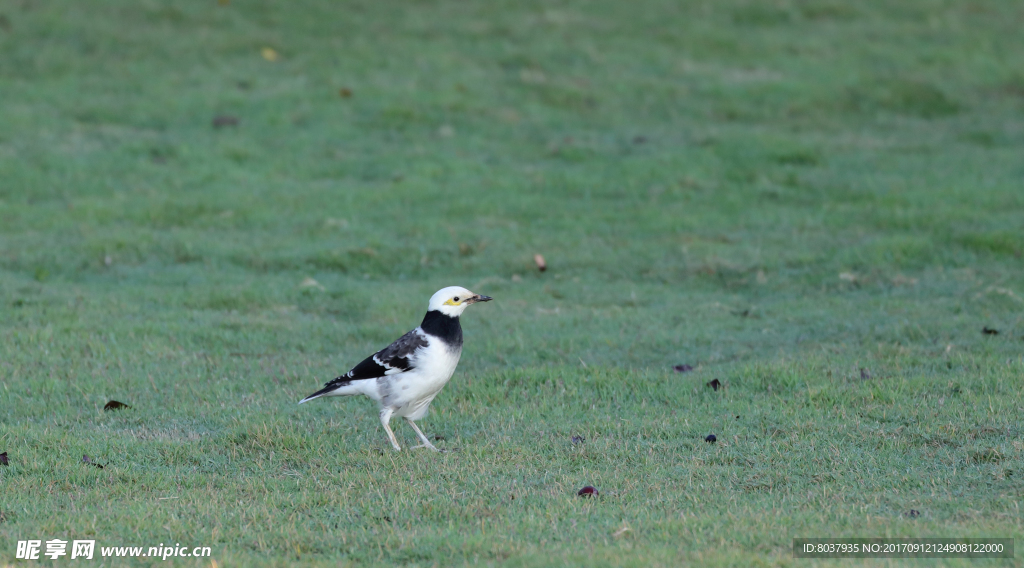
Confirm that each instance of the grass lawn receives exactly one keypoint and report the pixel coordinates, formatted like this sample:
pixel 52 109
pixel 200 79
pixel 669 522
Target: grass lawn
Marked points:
pixel 207 209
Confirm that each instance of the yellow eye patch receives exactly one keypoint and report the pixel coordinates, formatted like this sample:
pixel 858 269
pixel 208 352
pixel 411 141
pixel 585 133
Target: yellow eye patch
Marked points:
pixel 452 302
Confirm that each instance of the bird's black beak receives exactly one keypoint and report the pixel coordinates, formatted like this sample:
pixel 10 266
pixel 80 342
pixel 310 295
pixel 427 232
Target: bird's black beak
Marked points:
pixel 479 298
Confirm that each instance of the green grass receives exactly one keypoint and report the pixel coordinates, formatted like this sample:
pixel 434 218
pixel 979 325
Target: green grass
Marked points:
pixel 780 194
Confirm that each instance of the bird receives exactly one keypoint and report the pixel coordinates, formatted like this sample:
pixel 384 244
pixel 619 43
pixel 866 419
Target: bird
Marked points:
pixel 405 376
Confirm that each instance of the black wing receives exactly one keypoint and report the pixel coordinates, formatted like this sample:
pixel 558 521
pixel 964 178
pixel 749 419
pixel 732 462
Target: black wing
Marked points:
pixel 395 358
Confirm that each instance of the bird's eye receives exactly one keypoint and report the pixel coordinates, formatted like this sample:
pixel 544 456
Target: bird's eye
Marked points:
pixel 456 298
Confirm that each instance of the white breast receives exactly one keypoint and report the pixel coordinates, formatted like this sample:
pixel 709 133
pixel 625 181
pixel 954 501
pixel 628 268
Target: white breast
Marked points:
pixel 410 393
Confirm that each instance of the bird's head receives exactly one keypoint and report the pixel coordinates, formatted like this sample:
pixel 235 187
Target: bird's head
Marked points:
pixel 453 300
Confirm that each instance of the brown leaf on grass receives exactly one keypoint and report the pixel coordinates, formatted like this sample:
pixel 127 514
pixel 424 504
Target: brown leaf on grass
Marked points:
pixel 115 405
pixel 223 120
pixel 715 384
pixel 3 459
pixel 684 368
pixel 88 460
pixel 588 491
pixel 989 331
pixel 345 92
pixel 539 261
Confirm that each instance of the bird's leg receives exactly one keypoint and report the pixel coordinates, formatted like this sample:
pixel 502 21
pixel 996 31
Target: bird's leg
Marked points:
pixel 385 417
pixel 426 443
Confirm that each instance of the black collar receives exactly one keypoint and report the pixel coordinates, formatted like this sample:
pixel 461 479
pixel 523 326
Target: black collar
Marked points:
pixel 444 327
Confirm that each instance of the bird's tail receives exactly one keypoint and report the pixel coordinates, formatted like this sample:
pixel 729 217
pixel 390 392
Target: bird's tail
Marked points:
pixel 339 386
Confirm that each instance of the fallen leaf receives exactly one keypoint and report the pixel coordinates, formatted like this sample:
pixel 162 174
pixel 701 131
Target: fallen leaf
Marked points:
pixel 715 384
pixel 539 260
pixel 989 331
pixel 224 120
pixel 588 491
pixel 682 368
pixel 270 54
pixel 86 459
pixel 711 439
pixel 345 92
pixel 3 459
pixel 115 405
